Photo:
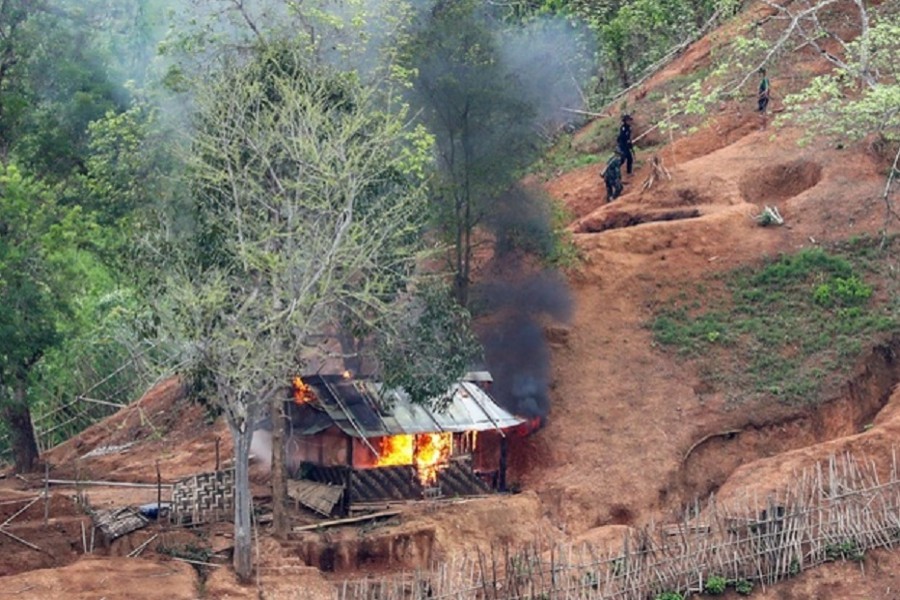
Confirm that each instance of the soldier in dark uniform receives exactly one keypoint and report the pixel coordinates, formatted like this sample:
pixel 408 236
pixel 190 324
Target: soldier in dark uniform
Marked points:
pixel 762 96
pixel 623 142
pixel 612 175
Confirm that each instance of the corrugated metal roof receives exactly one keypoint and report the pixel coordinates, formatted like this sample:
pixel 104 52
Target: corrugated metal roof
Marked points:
pixel 359 409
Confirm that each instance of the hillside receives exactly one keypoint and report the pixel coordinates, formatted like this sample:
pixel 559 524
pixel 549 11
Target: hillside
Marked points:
pixel 636 430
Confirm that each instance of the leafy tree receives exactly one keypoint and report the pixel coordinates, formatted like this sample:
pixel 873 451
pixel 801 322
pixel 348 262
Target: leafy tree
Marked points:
pixel 53 85
pixel 349 36
pixel 861 95
pixel 482 125
pixel 430 346
pixel 642 31
pixel 13 17
pixel 36 248
pixel 58 74
pixel 285 160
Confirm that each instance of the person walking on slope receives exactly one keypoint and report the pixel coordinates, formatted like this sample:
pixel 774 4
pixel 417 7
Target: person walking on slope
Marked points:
pixel 612 176
pixel 762 98
pixel 624 144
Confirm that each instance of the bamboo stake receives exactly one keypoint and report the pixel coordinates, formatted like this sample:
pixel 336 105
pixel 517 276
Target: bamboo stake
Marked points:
pixel 137 551
pixel 46 494
pixel 19 512
pixel 24 542
pixel 126 484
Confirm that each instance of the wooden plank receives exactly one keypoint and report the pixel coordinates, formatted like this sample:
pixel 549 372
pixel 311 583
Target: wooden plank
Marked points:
pixel 116 522
pixel 349 520
pixel 320 497
pixel 106 483
pixel 390 504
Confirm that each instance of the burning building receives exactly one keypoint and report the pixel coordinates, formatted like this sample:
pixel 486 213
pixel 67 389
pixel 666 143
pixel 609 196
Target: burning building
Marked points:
pixel 350 442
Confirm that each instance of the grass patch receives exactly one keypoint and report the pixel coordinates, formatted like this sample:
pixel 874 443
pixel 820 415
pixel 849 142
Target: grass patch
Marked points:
pixel 677 85
pixel 791 328
pixel 572 151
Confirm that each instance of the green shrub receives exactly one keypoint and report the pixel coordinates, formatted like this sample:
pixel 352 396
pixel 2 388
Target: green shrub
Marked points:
pixel 669 596
pixel 715 585
pixel 842 291
pixel 788 329
pixel 743 587
pixel 799 267
pixel 846 550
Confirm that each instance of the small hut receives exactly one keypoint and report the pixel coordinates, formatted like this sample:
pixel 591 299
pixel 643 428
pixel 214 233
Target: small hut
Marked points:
pixel 351 442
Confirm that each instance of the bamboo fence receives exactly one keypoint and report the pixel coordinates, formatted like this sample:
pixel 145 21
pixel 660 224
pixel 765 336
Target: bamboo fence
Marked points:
pixel 834 511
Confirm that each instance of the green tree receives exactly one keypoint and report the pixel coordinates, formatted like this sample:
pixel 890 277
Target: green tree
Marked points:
pixel 860 96
pixel 53 84
pixel 285 158
pixel 430 344
pixel 34 294
pixel 642 31
pixel 483 126
pixel 60 71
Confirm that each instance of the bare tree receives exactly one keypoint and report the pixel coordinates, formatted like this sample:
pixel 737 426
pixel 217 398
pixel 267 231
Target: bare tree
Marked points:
pixel 308 206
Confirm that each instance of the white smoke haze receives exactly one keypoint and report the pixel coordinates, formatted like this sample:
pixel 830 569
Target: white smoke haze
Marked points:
pixel 550 60
pixel 353 36
pixel 261 449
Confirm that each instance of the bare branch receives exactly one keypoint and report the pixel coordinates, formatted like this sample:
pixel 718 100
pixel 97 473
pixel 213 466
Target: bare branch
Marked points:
pixel 786 34
pixel 239 5
pixel 890 212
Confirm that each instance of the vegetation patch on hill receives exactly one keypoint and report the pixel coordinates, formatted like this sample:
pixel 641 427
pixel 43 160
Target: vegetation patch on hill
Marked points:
pixel 790 328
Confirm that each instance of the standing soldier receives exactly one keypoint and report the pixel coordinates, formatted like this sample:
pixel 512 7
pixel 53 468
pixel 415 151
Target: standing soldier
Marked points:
pixel 612 176
pixel 626 148
pixel 762 97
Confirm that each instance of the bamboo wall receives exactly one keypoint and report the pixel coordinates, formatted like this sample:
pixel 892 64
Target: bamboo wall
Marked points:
pixel 835 511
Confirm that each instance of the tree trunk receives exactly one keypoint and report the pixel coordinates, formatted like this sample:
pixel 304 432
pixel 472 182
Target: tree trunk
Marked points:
pixel 243 500
pixel 18 420
pixel 280 520
pixel 351 352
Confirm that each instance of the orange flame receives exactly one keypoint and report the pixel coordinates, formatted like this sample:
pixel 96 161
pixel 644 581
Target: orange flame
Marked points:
pixel 302 392
pixel 432 454
pixel 429 453
pixel 396 450
pixel 529 427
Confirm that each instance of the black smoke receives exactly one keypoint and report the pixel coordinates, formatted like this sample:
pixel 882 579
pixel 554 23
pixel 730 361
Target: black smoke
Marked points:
pixel 518 304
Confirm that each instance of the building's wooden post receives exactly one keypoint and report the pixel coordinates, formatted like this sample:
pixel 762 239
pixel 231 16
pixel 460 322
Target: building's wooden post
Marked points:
pixel 504 450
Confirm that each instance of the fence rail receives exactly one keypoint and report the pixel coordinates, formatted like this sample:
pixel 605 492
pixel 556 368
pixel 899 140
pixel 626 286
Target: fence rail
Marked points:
pixel 834 511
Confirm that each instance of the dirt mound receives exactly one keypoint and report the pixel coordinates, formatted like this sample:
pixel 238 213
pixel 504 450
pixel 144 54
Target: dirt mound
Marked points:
pixel 163 426
pixel 877 579
pixel 798 436
pixel 875 442
pixel 110 578
pixel 615 219
pixel 776 183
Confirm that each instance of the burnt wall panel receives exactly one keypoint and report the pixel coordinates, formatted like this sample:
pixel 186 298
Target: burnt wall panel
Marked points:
pixel 385 483
pixel 486 456
pixel 363 457
pixel 332 475
pixel 458 479
pixel 334 448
